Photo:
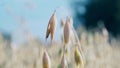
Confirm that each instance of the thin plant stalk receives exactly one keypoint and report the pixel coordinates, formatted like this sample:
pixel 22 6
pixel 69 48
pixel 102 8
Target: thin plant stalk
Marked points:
pixel 78 42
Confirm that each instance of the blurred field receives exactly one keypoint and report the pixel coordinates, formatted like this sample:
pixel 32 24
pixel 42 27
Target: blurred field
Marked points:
pixel 98 53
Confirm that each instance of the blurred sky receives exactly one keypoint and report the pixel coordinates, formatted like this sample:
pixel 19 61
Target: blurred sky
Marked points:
pixel 34 14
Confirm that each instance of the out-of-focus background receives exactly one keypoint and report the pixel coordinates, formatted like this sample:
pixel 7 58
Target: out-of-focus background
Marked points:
pixel 23 25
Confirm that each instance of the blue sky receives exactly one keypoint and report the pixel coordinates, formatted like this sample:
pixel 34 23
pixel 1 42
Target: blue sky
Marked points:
pixel 36 14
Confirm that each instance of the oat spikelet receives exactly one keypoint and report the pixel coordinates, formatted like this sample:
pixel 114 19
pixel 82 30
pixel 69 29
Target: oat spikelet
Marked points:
pixel 51 26
pixel 78 54
pixel 78 58
pixel 66 32
pixel 63 63
pixel 62 27
pixel 46 60
pixel 62 23
pixel 76 37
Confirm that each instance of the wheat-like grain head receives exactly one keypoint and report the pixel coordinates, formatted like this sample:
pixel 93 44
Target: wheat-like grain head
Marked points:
pixel 63 63
pixel 78 58
pixel 62 23
pixel 76 39
pixel 51 26
pixel 46 60
pixel 66 32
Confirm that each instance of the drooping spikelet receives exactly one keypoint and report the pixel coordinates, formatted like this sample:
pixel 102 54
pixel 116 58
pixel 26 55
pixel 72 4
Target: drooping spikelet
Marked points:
pixel 63 63
pixel 51 26
pixel 76 38
pixel 62 23
pixel 46 60
pixel 78 58
pixel 66 32
pixel 62 27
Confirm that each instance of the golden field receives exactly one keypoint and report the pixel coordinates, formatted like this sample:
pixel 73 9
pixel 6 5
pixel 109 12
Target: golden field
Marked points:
pixel 98 53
